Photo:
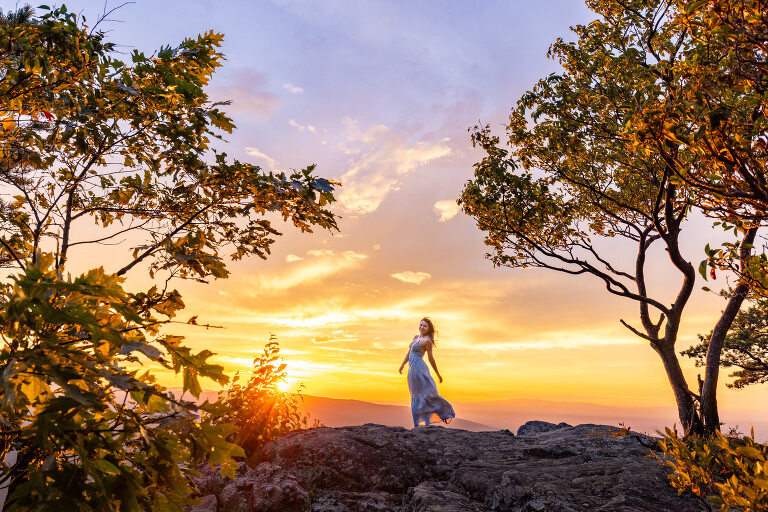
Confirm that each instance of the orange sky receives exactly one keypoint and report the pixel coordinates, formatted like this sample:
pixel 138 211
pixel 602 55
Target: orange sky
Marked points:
pixel 344 322
pixel 380 96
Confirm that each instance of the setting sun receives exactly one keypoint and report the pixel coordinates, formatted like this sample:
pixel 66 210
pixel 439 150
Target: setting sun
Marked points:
pixel 283 386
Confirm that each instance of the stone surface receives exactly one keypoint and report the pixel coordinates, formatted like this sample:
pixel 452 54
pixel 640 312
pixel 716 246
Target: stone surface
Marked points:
pixel 537 427
pixel 207 504
pixel 373 468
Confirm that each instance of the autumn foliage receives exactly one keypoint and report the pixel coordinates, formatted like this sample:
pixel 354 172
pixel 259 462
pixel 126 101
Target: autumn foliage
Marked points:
pixel 729 473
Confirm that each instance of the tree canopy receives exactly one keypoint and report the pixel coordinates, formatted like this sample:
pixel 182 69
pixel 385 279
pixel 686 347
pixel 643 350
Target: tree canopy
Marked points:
pixel 745 347
pixel 94 150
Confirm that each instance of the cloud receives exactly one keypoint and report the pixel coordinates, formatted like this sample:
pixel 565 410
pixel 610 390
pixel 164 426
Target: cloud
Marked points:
pixel 411 277
pixel 324 263
pixel 248 94
pixel 385 156
pixel 332 338
pixel 447 209
pixel 293 89
pixel 297 368
pixel 254 152
pixel 322 317
pixel 292 257
pixel 320 252
pixel 302 127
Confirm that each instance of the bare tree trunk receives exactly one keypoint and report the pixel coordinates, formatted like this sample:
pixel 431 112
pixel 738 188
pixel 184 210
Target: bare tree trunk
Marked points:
pixel 709 411
pixel 690 421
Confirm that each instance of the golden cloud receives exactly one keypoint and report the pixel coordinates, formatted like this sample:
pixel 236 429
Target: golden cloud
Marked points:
pixel 411 277
pixel 386 157
pixel 447 209
pixel 324 264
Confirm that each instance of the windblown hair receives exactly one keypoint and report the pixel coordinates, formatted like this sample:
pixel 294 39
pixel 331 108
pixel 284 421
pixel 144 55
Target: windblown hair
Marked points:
pixel 432 332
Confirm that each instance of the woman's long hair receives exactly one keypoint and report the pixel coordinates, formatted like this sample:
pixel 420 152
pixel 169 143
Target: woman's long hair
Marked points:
pixel 432 332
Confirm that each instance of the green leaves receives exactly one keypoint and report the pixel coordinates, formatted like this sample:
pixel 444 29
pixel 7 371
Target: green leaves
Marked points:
pixel 221 452
pixel 152 118
pixel 745 347
pixel 81 419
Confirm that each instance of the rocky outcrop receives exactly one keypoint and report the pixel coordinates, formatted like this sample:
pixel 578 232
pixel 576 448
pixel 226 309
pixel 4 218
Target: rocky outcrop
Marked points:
pixel 546 467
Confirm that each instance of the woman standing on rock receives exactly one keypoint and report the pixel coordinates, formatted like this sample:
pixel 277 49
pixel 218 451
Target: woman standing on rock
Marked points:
pixel 426 404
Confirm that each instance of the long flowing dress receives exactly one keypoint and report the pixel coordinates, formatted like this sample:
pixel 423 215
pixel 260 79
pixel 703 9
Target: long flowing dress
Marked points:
pixel 426 404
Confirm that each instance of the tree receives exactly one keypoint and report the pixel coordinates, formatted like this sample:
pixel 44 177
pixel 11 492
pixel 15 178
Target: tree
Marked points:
pixel 86 137
pixel 589 160
pixel 89 430
pixel 745 347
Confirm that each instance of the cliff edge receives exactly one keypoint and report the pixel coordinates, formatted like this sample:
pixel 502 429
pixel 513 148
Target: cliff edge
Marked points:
pixel 545 467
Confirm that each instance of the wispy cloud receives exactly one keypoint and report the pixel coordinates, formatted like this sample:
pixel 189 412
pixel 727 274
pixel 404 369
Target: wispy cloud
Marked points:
pixel 302 127
pixel 320 252
pixel 411 277
pixel 249 95
pixel 447 209
pixel 385 156
pixel 293 89
pixel 256 153
pixel 324 263
pixel 334 337
pixel 292 258
pixel 297 368
pixel 569 341
pixel 321 318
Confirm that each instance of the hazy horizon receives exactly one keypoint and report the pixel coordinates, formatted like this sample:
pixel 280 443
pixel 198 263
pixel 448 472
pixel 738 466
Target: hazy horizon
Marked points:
pixel 512 412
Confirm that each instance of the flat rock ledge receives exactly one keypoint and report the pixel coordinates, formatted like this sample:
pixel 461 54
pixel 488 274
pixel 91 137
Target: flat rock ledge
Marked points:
pixel 374 468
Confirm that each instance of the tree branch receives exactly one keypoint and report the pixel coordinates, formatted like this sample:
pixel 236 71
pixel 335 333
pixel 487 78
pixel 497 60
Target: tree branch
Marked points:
pixel 156 246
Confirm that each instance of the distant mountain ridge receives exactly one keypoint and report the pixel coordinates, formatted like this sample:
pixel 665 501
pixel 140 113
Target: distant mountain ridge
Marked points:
pixel 509 414
pixel 335 412
pixel 484 416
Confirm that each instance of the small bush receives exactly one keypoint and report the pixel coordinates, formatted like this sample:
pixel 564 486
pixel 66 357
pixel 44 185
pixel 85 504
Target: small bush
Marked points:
pixel 726 472
pixel 258 408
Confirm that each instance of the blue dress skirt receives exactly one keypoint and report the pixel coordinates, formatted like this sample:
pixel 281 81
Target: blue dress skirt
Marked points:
pixel 426 405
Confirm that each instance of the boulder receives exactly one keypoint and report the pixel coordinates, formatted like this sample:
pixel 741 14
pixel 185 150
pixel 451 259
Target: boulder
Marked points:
pixel 537 427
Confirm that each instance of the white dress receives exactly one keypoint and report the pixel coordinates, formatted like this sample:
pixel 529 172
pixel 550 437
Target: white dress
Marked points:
pixel 426 404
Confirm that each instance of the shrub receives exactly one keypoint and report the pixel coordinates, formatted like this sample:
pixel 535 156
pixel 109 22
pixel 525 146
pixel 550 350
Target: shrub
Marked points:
pixel 726 472
pixel 258 408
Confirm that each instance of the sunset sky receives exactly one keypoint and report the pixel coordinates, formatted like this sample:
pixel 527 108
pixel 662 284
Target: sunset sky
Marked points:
pixel 380 96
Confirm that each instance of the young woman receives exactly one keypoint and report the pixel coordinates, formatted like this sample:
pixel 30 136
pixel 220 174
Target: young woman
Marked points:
pixel 426 404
